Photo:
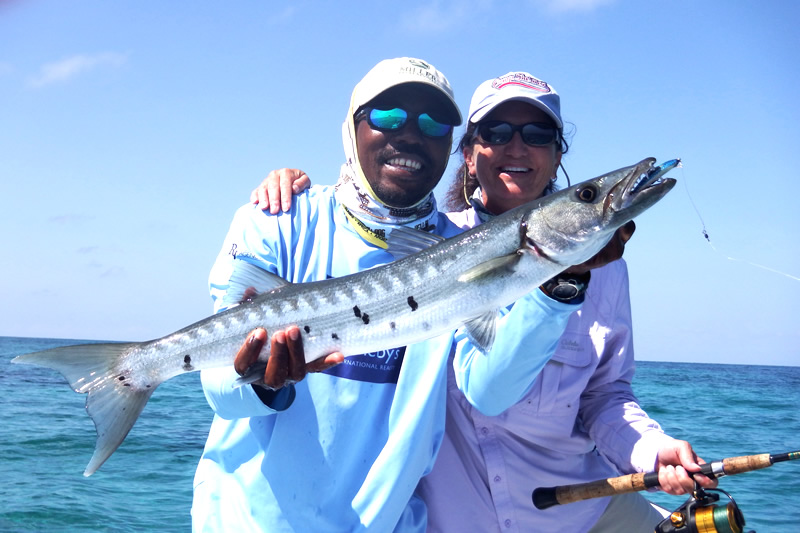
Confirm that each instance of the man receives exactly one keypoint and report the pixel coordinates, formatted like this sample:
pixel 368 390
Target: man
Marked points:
pixel 342 448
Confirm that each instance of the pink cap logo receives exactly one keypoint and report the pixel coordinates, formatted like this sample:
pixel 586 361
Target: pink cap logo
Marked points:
pixel 521 80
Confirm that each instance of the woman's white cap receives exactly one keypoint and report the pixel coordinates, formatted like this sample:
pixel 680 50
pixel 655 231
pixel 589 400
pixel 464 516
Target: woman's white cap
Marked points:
pixel 515 86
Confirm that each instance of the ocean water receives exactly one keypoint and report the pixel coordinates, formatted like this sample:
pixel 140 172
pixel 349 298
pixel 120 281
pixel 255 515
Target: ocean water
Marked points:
pixel 46 440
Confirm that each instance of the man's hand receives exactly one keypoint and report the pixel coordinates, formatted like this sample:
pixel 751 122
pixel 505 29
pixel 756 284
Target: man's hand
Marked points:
pixel 286 364
pixel 276 191
pixel 675 461
pixel 612 251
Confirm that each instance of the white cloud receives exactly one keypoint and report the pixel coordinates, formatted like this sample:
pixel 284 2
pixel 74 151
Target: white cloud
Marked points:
pixel 283 16
pixel 441 15
pixel 445 15
pixel 69 219
pixel 70 67
pixel 574 6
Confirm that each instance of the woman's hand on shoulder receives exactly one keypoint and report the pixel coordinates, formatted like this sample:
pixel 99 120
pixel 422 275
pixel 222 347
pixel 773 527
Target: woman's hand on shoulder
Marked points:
pixel 276 191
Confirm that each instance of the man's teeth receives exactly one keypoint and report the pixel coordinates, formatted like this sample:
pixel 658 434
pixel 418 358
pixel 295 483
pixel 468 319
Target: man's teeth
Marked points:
pixel 514 169
pixel 403 162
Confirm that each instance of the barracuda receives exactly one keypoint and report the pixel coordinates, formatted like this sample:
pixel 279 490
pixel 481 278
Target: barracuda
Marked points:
pixel 439 287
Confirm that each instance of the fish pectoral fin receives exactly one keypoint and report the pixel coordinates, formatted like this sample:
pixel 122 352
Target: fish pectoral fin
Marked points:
pixel 403 241
pixel 254 374
pixel 246 275
pixel 492 266
pixel 481 331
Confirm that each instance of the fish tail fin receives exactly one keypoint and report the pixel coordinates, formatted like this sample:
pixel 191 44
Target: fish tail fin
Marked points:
pixel 114 402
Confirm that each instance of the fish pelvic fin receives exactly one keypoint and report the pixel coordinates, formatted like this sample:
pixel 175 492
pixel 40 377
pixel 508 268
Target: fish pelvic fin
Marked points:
pixel 490 267
pixel 481 331
pixel 113 402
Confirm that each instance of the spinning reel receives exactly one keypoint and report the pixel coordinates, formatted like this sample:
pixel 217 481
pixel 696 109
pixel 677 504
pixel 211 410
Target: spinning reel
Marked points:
pixel 701 514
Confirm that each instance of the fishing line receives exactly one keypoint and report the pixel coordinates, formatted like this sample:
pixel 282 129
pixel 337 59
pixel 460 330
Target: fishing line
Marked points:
pixel 708 239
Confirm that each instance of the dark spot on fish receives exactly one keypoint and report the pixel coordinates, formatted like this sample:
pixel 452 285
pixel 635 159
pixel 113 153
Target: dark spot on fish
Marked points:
pixel 392 325
pixel 187 359
pixel 127 384
pixel 187 363
pixel 412 304
pixel 306 329
pixel 426 326
pixel 334 336
pixel 357 311
pixel 148 386
pixel 121 378
pixel 365 318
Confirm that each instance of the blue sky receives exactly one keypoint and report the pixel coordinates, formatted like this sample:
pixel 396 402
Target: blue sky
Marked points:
pixel 132 130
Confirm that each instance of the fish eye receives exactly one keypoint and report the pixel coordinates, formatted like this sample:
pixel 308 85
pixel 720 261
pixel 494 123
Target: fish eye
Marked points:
pixel 587 193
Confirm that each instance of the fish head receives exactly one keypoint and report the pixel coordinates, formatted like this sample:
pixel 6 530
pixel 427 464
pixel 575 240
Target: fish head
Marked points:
pixel 572 225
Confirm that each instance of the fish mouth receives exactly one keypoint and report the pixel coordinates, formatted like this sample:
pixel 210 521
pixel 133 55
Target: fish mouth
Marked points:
pixel 643 186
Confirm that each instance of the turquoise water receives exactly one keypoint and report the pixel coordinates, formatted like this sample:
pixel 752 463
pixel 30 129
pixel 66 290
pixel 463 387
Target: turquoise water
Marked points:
pixel 46 440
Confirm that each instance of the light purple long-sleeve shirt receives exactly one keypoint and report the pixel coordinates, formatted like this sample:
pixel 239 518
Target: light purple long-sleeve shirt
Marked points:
pixel 579 422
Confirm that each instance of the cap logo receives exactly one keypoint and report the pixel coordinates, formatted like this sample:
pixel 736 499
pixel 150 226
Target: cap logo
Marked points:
pixel 422 70
pixel 419 63
pixel 521 80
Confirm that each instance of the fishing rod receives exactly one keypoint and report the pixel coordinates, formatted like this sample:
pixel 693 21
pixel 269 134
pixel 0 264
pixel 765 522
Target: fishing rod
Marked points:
pixel 545 497
pixel 696 515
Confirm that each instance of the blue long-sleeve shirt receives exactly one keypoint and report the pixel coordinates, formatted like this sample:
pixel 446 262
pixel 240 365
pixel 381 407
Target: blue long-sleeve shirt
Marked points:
pixel 342 450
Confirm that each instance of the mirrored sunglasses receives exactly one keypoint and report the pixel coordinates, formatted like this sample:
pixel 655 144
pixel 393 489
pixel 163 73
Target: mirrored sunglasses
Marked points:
pixel 395 119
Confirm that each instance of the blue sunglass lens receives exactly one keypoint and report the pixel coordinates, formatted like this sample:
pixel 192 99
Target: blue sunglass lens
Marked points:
pixel 394 119
pixel 433 128
pixel 388 119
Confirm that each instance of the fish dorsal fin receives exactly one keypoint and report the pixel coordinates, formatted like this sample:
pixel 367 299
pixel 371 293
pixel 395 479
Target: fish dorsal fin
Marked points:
pixel 506 262
pixel 246 276
pixel 481 331
pixel 403 241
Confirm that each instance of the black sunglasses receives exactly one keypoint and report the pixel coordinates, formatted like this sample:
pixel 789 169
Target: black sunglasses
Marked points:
pixel 533 134
pixel 395 119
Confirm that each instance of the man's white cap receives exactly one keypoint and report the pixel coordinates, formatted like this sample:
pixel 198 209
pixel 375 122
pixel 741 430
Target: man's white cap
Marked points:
pixel 515 86
pixel 393 72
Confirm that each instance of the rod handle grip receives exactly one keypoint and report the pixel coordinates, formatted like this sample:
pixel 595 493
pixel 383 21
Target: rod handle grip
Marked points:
pixel 545 497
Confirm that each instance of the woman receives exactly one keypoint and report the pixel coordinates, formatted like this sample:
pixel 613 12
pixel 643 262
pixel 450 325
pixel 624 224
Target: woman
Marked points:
pixel 580 421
